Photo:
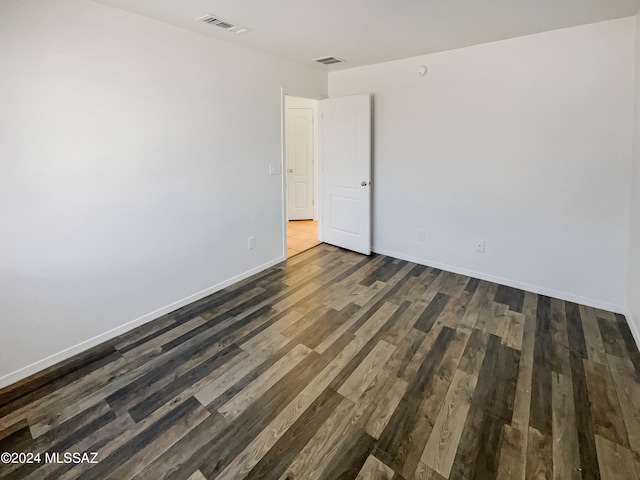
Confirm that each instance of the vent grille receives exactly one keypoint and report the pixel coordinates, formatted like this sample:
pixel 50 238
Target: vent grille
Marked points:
pixel 224 24
pixel 328 60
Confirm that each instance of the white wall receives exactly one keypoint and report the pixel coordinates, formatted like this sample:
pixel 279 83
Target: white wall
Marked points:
pixel 525 143
pixel 134 165
pixel 634 251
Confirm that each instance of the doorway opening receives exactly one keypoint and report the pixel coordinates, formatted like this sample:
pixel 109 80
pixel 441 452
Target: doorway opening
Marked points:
pixel 301 173
pixel 338 196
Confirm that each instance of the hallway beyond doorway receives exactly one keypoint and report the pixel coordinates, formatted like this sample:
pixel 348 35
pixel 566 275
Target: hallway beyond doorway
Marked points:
pixel 301 236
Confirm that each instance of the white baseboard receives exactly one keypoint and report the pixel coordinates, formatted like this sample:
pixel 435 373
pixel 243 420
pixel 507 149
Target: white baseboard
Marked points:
pixel 97 340
pixel 633 326
pixel 51 360
pixel 511 283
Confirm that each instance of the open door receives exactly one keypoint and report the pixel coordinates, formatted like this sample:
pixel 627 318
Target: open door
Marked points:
pixel 346 172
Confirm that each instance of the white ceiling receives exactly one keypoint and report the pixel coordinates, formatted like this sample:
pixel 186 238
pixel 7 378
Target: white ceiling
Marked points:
pixel 364 32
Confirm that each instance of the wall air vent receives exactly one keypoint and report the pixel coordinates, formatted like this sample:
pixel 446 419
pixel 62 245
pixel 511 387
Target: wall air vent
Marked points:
pixel 220 23
pixel 328 60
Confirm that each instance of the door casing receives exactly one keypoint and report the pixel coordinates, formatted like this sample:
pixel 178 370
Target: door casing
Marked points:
pixel 285 92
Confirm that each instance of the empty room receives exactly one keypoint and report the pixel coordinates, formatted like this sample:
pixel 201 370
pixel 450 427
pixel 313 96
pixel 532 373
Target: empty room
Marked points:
pixel 330 240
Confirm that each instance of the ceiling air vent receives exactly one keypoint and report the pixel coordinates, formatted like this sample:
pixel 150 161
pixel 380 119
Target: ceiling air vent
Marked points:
pixel 225 25
pixel 328 60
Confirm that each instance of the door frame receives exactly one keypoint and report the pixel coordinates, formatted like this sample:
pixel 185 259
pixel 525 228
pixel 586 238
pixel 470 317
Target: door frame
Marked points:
pixel 284 92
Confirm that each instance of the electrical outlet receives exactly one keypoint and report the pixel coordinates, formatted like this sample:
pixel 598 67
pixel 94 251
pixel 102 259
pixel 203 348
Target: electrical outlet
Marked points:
pixel 252 243
pixel 421 235
pixel 275 169
pixel 479 245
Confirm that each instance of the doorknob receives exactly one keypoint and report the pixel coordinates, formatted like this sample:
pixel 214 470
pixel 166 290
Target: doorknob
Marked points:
pixel 290 170
pixel 364 184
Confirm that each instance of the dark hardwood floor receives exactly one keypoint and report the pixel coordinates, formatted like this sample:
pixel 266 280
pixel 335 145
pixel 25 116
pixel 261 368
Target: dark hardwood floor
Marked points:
pixel 335 366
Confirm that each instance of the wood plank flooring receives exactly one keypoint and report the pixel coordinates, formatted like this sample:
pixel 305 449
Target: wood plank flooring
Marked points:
pixel 337 366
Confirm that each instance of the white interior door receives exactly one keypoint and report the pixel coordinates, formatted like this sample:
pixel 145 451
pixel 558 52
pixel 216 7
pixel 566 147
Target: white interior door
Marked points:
pixel 299 155
pixel 345 152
